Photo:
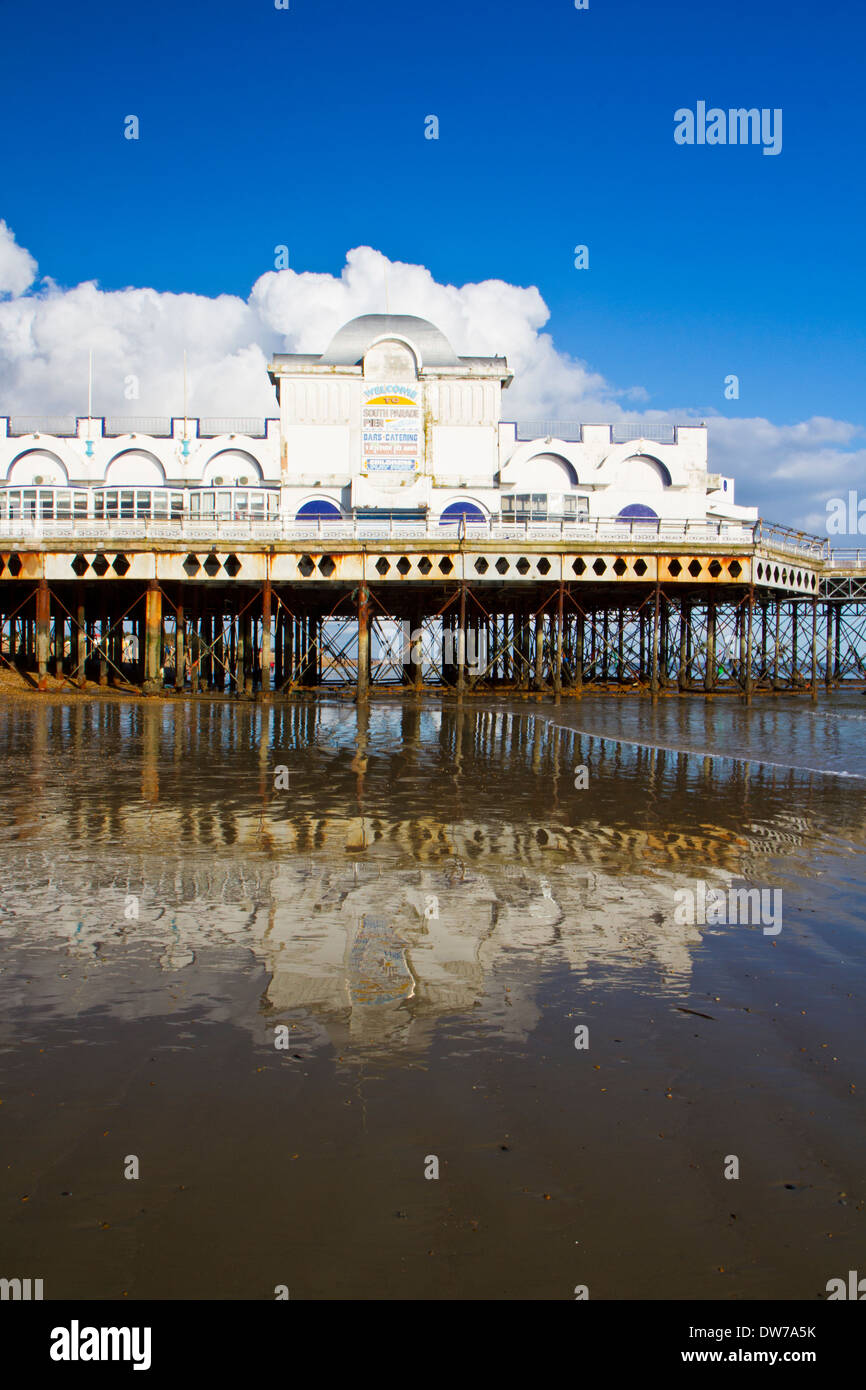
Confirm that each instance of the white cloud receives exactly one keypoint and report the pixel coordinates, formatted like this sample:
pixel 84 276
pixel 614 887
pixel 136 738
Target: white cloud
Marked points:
pixel 17 266
pixel 789 471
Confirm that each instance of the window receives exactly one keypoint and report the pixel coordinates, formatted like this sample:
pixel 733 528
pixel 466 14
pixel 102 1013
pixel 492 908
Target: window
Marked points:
pixel 541 506
pixel 457 511
pixel 637 511
pixel 319 507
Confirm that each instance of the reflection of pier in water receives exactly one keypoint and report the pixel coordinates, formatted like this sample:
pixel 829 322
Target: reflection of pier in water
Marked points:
pixel 215 859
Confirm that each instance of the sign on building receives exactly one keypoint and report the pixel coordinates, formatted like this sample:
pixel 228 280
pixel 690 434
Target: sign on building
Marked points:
pixel 391 433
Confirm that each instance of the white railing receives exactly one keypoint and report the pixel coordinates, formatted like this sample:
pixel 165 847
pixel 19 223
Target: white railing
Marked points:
pixel 329 532
pixel 572 430
pixel 766 538
pixel 847 559
pixel 157 426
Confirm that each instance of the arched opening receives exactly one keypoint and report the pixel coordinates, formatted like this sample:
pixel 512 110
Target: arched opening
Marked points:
pixel 390 360
pixel 641 473
pixel 462 511
pixel 135 467
pixel 637 511
pixel 232 468
pixel 546 473
pixel 319 507
pixel 39 467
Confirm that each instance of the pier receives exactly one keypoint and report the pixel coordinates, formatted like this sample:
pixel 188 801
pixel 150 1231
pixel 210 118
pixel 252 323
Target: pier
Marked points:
pixel 390 531
pixel 264 608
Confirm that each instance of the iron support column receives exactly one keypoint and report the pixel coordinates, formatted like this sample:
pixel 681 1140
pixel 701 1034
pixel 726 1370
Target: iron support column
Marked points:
pixel 363 687
pixel 266 637
pixel 43 632
pixel 152 637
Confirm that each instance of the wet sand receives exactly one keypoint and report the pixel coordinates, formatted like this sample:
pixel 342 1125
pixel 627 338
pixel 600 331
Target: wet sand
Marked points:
pixel 430 911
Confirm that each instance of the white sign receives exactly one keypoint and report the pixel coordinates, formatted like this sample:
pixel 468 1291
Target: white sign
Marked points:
pixel 391 433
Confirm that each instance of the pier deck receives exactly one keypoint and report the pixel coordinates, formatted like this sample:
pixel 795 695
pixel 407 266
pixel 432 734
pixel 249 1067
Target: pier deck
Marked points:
pixel 251 606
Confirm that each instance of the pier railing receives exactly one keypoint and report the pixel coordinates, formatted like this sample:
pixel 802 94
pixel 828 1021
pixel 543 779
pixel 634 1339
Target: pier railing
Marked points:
pixel 241 527
pixel 288 529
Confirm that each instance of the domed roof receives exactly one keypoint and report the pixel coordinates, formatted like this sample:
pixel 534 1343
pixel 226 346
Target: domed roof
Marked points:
pixel 348 346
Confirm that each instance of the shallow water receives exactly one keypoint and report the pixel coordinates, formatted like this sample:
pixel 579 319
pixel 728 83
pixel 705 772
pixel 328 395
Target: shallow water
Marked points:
pixel 425 915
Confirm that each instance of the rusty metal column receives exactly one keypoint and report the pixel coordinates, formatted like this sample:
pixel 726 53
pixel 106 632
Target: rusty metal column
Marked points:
pixel 179 647
pixel 81 636
pixel 249 654
pixel 363 685
pixel 641 659
pixel 152 637
pixel 238 654
pixel 828 637
pixel 103 639
pixel 219 648
pixel 748 625
pixel 539 650
pixel 289 649
pixel 59 642
pixel 43 632
pixel 654 677
pixel 416 646
pixel 461 642
pixel 685 619
pixel 814 650
pixel 278 648
pixel 193 642
pixel 117 644
pixel 207 666
pixel 266 637
pixel 710 670
pixel 557 659
pixel 578 655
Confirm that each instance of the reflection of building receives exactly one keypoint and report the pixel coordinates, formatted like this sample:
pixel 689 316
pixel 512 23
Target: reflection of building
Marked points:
pixel 387 423
pixel 387 951
pixel 419 855
pixel 385 944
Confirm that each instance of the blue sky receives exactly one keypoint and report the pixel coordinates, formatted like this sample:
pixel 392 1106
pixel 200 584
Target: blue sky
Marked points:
pixel 306 127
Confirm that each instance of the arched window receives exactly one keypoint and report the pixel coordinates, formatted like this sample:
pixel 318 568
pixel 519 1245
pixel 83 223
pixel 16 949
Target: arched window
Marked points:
pixel 320 506
pixel 636 511
pixel 461 511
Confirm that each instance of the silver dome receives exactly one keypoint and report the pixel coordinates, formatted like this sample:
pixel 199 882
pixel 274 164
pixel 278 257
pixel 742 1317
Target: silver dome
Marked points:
pixel 348 346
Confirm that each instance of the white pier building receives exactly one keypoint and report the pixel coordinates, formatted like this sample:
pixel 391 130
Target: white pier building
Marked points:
pixel 388 424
